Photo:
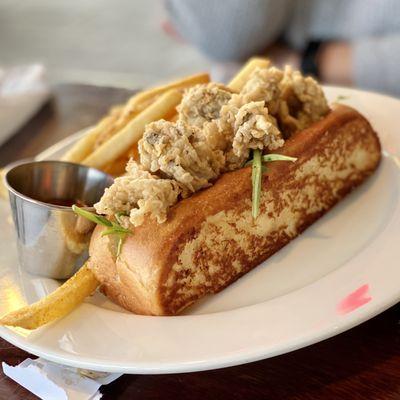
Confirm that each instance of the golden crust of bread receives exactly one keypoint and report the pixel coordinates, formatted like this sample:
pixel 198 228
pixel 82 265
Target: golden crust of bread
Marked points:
pixel 210 239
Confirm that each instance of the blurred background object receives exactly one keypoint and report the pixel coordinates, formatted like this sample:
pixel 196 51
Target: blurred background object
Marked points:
pixel 121 43
pixel 342 42
pixel 133 44
pixel 23 90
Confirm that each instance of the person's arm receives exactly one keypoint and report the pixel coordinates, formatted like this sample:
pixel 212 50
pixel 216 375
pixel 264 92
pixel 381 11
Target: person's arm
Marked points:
pixel 229 30
pixel 376 63
pixel 335 63
pixel 369 63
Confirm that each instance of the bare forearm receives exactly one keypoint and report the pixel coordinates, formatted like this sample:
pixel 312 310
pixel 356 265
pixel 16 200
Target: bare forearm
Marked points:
pixel 334 61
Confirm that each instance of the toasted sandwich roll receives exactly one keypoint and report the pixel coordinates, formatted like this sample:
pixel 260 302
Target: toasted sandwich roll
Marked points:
pixel 210 239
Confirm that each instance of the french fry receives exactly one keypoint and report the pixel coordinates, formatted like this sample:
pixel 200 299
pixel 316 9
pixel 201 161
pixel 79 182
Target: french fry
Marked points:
pixel 141 100
pixel 123 140
pixel 83 147
pixel 117 167
pixel 86 144
pixel 57 304
pixel 174 117
pixel 115 123
pixel 120 116
pixel 239 80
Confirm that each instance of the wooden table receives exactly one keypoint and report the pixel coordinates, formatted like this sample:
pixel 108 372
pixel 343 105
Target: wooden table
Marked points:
pixel 363 363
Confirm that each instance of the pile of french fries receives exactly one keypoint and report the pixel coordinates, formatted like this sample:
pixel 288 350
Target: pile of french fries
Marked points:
pixel 108 146
pixel 117 134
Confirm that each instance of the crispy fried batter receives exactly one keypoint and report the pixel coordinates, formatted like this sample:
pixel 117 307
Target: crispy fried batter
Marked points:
pixel 202 103
pixel 294 100
pixel 264 84
pixel 139 193
pixel 254 128
pixel 180 152
pixel 304 98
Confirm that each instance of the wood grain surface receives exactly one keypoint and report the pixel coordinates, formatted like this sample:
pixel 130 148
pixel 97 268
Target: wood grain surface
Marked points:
pixel 363 363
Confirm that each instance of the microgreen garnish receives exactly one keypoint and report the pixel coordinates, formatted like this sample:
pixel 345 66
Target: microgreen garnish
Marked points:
pixel 120 214
pixel 113 228
pixel 97 219
pixel 341 97
pixel 273 157
pixel 256 175
pixel 277 157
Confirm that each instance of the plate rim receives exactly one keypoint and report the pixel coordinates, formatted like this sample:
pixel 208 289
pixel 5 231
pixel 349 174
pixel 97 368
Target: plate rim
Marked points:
pixel 361 315
pixel 198 366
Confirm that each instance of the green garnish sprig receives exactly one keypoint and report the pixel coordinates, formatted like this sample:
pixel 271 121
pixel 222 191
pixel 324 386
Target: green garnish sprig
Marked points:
pixel 113 228
pixel 256 175
pixel 340 98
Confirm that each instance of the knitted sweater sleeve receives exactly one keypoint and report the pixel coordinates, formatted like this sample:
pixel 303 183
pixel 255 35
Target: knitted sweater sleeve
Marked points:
pixel 229 30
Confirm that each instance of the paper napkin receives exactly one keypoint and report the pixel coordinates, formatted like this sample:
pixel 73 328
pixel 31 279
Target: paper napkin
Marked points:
pixel 48 380
pixel 23 90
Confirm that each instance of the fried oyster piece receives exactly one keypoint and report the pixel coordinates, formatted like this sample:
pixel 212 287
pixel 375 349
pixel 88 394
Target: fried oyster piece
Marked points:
pixel 303 101
pixel 264 85
pixel 138 193
pixel 242 126
pixel 254 128
pixel 294 100
pixel 180 152
pixel 202 103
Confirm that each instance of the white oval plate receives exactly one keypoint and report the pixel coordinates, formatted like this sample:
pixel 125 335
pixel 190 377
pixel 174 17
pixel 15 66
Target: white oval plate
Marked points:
pixel 294 299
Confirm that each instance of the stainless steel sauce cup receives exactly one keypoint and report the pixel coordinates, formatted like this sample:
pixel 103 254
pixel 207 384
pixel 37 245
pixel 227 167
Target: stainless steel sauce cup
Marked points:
pixel 52 239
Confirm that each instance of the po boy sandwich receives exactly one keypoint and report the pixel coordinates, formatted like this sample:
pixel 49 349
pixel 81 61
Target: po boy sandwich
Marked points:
pixel 203 204
pixel 214 180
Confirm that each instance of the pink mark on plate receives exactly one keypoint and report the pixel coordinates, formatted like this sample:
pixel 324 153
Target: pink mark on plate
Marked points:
pixel 354 300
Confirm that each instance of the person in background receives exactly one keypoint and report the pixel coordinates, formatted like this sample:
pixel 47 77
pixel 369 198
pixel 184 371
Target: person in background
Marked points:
pixel 341 42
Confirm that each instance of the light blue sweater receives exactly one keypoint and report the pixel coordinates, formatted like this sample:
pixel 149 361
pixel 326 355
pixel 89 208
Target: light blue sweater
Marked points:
pixel 228 30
